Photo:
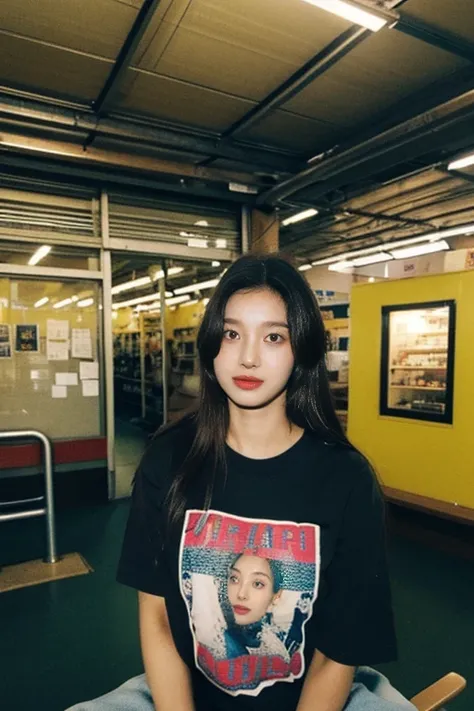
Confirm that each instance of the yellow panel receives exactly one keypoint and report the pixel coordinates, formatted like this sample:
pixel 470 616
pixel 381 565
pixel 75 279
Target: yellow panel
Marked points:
pixel 427 459
pixel 455 16
pixel 96 26
pixel 176 101
pixel 291 131
pixel 381 71
pixel 47 69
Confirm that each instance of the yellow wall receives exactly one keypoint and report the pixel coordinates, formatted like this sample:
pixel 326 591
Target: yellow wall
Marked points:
pixel 428 459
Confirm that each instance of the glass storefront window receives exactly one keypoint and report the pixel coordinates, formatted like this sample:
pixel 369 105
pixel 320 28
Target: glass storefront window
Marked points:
pixel 51 255
pixel 50 364
pixel 418 361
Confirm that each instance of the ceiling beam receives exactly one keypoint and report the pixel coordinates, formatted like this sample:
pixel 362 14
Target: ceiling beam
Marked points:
pixel 380 144
pixel 66 150
pixel 316 66
pixel 432 35
pixel 112 85
pixel 37 112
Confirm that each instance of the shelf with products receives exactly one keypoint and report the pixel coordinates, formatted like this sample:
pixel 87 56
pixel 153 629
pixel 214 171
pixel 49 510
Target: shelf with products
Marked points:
pixel 418 361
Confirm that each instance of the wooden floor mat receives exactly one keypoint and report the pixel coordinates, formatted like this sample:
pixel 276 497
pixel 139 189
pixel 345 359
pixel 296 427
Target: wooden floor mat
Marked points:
pixel 34 572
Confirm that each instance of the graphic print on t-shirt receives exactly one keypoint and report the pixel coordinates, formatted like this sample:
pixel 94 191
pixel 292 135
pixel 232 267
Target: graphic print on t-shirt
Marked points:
pixel 249 587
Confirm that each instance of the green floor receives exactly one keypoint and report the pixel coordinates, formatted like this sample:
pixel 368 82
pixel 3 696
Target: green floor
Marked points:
pixel 75 639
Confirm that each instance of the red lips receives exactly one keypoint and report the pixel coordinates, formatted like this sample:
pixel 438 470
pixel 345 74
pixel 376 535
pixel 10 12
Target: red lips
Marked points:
pixel 246 382
pixel 241 610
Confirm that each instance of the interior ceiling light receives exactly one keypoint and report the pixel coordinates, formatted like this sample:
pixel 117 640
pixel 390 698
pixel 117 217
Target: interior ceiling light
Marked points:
pixel 215 263
pixel 64 302
pixel 462 162
pixel 144 281
pixel 340 266
pixel 429 237
pixel 421 249
pixel 40 254
pixel 156 306
pixel 202 223
pixel 371 18
pixel 85 302
pixel 197 242
pixel 197 287
pixel 305 267
pixel 300 216
pixel 372 259
pixel 41 302
pixel 138 300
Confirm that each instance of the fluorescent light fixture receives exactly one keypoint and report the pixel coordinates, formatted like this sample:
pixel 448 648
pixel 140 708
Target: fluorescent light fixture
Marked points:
pixel 353 12
pixel 372 259
pixel 340 266
pixel 41 302
pixel 156 306
pixel 64 302
pixel 40 254
pixel 197 242
pixel 305 267
pixel 205 301
pixel 215 263
pixel 420 250
pixel 144 281
pixel 462 162
pixel 221 243
pixel 299 217
pixel 197 287
pixel 138 300
pixel 390 246
pixel 190 303
pixel 85 302
pixel 202 223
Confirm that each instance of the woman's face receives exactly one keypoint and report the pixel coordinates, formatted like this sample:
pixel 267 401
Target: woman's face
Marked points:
pixel 250 589
pixel 255 360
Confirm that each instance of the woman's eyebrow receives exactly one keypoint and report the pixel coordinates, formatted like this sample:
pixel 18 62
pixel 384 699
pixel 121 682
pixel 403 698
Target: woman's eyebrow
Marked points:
pixel 266 324
pixel 255 572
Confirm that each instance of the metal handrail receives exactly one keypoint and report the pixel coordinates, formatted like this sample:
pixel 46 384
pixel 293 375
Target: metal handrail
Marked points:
pixel 48 510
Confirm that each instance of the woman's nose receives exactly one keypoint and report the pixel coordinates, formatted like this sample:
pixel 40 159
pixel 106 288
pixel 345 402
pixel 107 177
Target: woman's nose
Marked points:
pixel 242 594
pixel 249 354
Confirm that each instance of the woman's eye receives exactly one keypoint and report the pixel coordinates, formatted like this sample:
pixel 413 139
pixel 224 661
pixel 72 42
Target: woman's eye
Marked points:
pixel 258 584
pixel 274 338
pixel 231 335
pixel 233 579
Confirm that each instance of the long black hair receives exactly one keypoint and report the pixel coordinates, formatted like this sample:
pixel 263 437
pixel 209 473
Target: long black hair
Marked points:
pixel 309 402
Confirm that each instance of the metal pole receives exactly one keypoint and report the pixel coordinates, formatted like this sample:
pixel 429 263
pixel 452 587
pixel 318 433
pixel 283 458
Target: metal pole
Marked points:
pixel 245 229
pixel 51 556
pixel 164 352
pixel 141 321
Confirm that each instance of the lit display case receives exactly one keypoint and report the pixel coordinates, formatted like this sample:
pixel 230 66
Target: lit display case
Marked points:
pixel 418 361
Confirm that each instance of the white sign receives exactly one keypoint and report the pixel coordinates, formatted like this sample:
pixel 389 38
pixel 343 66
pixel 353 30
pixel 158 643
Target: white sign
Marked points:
pixel 90 388
pixel 57 350
pixel 81 343
pixel 58 391
pixel 89 371
pixel 66 379
pixel 57 330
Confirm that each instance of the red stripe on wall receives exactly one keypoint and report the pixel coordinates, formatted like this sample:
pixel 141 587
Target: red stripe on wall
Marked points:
pixel 16 456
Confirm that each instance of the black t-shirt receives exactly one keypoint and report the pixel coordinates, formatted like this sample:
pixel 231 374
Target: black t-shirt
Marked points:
pixel 289 558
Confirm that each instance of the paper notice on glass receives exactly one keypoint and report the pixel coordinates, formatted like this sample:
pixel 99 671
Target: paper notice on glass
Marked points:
pixel 90 388
pixel 89 371
pixel 66 379
pixel 81 343
pixel 58 391
pixel 57 350
pixel 57 330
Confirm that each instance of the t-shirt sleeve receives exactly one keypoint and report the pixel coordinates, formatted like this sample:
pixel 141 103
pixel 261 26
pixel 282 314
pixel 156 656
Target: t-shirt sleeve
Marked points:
pixel 355 624
pixel 142 562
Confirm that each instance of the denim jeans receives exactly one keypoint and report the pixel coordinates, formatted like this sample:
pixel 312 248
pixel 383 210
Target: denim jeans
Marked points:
pixel 371 691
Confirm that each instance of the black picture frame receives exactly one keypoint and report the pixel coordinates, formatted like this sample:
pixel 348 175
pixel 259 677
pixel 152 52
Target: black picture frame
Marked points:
pixel 447 416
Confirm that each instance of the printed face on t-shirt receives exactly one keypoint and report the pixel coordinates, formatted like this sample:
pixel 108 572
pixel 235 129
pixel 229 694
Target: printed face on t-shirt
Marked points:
pixel 250 589
pixel 255 344
pixel 249 586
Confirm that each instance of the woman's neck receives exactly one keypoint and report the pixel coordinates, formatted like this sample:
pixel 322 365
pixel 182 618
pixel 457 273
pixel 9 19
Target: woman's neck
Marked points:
pixel 262 433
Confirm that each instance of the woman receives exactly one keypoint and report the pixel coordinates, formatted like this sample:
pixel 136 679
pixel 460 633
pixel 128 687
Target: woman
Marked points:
pixel 262 465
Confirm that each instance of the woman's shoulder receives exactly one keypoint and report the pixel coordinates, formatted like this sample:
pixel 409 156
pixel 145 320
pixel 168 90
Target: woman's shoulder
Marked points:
pixel 342 461
pixel 168 449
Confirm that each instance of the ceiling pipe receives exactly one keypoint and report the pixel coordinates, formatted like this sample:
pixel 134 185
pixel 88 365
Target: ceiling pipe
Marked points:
pixel 332 163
